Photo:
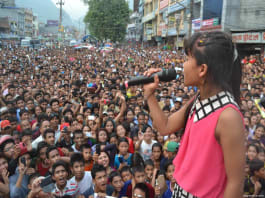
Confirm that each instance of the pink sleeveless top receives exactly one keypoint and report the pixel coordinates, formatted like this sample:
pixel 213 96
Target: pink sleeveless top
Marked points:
pixel 199 164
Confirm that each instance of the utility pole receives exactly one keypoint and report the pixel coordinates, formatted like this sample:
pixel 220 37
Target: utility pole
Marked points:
pixel 61 3
pixel 191 17
pixel 178 18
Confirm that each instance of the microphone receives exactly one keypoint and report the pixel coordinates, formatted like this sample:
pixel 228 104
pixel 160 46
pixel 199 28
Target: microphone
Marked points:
pixel 165 75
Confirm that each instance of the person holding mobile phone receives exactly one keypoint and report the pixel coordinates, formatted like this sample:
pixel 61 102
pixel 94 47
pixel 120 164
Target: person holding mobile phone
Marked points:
pixel 18 183
pixel 35 188
pixel 123 158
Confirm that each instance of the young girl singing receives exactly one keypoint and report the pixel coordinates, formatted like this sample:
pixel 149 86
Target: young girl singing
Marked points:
pixel 211 158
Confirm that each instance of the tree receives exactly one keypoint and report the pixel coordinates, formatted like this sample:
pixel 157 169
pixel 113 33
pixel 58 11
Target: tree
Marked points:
pixel 107 19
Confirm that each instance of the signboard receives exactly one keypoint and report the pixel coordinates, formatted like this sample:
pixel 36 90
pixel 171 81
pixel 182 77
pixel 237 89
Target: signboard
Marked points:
pixel 163 4
pixel 210 22
pixel 164 32
pixel 149 37
pixel 263 39
pixel 52 23
pixel 177 16
pixel 149 29
pixel 249 37
pixel 196 24
pixel 171 20
pixel 172 32
pixel 162 29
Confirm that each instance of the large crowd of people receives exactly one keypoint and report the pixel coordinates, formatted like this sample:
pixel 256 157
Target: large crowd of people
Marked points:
pixel 70 127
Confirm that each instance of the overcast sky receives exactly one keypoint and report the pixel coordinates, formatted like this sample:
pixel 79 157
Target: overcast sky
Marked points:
pixel 75 8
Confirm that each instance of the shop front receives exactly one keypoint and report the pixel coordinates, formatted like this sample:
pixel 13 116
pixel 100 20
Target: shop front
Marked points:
pixel 250 42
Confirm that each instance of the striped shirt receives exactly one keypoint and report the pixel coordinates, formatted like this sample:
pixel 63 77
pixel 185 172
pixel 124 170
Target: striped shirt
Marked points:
pixel 71 189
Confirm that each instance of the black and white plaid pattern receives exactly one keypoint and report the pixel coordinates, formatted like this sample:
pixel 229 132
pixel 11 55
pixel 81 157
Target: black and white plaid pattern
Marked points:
pixel 207 106
pixel 179 192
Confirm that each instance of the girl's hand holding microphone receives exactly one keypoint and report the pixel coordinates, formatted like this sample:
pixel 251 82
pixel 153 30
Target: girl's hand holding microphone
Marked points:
pixel 150 88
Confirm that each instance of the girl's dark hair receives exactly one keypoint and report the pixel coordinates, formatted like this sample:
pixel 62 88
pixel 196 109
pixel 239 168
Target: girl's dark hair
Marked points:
pixel 255 146
pixel 113 135
pixel 126 126
pixel 113 174
pixel 260 126
pixel 217 50
pixel 123 139
pixel 137 160
pixel 102 129
pixel 145 127
pixel 106 154
pixel 129 110
pixel 255 165
pixel 167 164
pixel 110 120
pixel 160 147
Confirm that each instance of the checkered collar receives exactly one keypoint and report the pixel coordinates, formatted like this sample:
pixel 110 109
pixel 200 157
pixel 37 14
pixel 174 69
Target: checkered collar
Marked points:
pixel 205 107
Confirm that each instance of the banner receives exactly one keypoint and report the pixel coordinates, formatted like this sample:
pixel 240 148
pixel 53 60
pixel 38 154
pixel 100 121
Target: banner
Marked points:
pixel 52 23
pixel 196 24
pixel 163 4
pixel 210 22
pixel 248 37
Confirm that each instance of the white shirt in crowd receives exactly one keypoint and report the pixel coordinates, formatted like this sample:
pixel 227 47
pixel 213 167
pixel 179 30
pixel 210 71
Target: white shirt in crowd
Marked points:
pixel 146 149
pixel 85 183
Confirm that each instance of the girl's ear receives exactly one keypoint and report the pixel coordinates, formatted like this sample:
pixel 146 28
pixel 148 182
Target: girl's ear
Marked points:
pixel 203 70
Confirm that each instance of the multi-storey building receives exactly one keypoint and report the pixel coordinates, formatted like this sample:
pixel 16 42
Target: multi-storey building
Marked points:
pixel 169 21
pixel 15 19
pixel 28 22
pixel 134 28
pixel 149 20
pixel 7 3
pixel 243 19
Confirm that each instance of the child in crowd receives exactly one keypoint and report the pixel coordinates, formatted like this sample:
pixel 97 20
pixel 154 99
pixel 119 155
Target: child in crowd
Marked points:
pixel 123 158
pixel 117 183
pixel 145 143
pixel 86 152
pixel 255 182
pixel 126 173
pixel 157 155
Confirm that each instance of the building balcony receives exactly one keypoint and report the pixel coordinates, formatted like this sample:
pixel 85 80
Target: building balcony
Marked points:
pixel 29 24
pixel 148 17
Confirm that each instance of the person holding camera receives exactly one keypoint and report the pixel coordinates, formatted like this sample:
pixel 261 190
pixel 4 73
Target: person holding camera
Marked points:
pixel 18 183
